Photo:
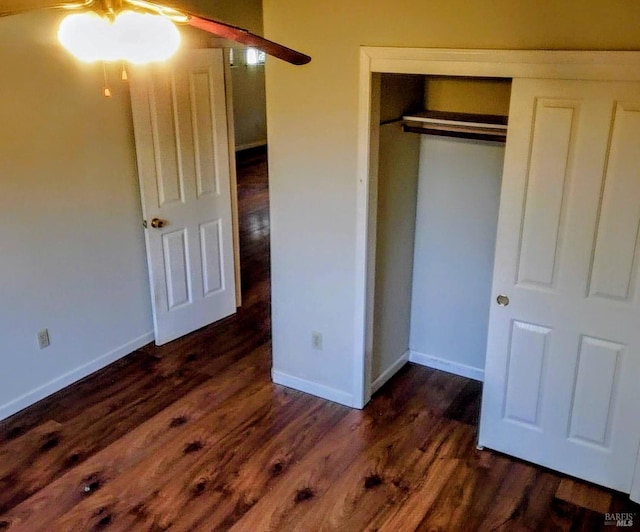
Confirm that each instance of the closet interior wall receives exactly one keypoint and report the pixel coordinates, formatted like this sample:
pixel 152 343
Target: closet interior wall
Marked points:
pixel 399 158
pixel 437 205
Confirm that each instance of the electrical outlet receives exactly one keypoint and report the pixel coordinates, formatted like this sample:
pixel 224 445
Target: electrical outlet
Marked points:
pixel 43 338
pixel 316 340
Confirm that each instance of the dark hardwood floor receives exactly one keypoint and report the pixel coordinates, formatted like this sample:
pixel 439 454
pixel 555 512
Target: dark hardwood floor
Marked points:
pixel 193 436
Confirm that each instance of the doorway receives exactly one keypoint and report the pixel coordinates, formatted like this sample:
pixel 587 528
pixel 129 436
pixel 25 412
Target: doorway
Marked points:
pixel 439 175
pixel 186 118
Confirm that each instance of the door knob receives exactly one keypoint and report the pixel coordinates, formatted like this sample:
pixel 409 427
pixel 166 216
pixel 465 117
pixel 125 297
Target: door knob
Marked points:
pixel 158 223
pixel 502 300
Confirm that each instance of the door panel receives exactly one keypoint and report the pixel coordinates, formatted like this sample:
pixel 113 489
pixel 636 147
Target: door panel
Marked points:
pixel 617 234
pixel 545 191
pixel 162 111
pixel 174 247
pixel 211 252
pixel 524 377
pixel 180 122
pixel 594 390
pixel 563 358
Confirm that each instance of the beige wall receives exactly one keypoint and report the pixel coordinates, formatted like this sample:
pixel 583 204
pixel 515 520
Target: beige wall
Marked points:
pixel 395 232
pixel 312 117
pixel 71 241
pixel 400 94
pixel 249 106
pixel 464 95
pixel 246 14
pixel 249 102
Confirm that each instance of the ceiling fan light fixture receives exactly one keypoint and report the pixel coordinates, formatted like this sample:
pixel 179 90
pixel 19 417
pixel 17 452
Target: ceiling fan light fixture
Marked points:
pixel 88 37
pixel 138 38
pixel 145 38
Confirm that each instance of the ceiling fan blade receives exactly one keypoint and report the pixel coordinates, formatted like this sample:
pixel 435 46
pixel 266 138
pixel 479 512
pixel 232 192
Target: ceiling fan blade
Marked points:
pixel 243 36
pixel 173 10
pixel 13 7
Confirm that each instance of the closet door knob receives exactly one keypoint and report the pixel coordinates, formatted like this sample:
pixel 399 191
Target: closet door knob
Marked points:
pixel 502 300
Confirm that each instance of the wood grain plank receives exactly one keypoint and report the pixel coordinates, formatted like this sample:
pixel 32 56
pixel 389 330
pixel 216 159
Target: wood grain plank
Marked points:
pixel 65 405
pixel 584 495
pixel 519 503
pixel 19 452
pixel 242 379
pixel 228 486
pixel 444 458
pixel 130 492
pixel 140 488
pixel 85 435
pixel 307 489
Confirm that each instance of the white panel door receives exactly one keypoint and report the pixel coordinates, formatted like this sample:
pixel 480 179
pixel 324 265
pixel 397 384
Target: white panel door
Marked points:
pixel 563 358
pixel 180 123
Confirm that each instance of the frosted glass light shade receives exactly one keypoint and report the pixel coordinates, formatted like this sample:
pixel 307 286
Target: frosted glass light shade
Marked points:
pixel 145 38
pixel 135 37
pixel 89 37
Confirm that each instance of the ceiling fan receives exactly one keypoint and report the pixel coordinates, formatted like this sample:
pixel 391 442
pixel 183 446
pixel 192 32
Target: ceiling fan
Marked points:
pixel 101 29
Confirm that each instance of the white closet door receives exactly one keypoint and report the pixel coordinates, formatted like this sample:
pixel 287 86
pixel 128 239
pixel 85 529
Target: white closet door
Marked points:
pixel 563 358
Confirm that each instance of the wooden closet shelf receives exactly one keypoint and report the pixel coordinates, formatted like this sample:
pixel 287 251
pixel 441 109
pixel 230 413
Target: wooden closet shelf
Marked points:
pixel 461 125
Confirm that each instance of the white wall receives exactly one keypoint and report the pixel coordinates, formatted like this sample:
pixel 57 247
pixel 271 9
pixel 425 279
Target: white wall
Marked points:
pixel 249 103
pixel 397 192
pixel 70 224
pixel 399 154
pixel 458 199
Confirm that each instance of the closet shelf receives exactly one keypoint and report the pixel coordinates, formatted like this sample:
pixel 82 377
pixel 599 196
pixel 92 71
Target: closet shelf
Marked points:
pixel 461 125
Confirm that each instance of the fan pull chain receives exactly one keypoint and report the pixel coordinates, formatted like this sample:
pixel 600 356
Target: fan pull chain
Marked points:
pixel 107 90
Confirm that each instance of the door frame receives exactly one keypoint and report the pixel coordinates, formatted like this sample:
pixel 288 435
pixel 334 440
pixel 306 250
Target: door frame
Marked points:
pixel 233 175
pixel 540 64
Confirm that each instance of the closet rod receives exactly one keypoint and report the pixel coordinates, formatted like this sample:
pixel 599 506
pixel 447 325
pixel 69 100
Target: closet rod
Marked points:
pixel 459 125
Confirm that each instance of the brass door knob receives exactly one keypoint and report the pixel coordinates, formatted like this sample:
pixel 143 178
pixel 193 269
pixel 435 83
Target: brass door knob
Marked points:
pixel 502 300
pixel 158 223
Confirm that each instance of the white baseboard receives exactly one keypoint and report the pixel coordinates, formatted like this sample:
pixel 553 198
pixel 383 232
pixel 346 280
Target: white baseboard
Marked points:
pixel 250 145
pixel 319 390
pixel 390 372
pixel 57 384
pixel 447 365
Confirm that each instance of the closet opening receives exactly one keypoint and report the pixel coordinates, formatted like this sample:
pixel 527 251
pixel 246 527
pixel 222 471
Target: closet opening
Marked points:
pixel 438 145
pixel 558 382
